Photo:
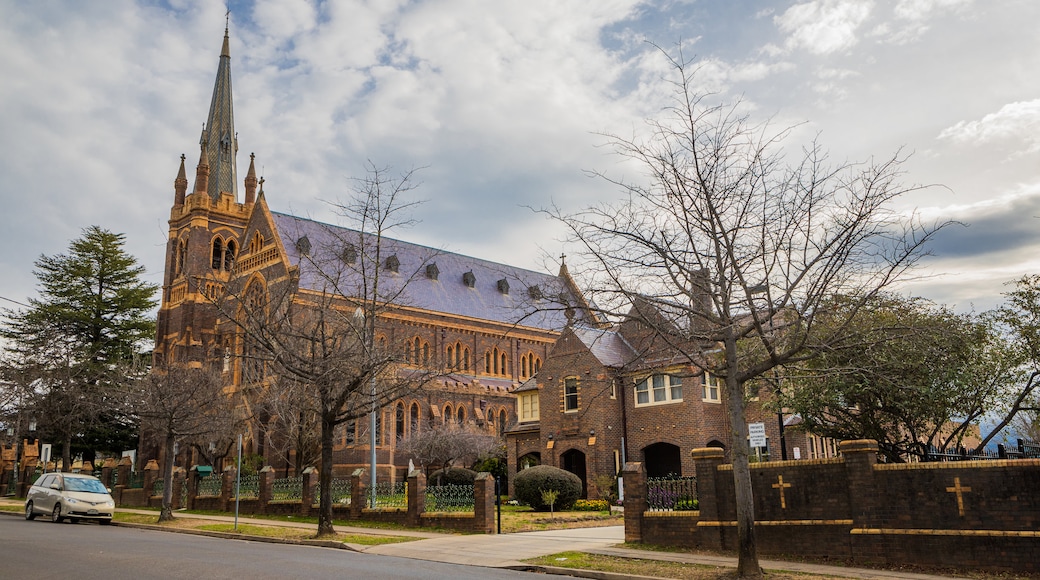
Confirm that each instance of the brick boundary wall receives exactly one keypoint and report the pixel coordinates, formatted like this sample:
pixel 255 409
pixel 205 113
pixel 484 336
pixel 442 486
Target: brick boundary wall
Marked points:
pixel 968 514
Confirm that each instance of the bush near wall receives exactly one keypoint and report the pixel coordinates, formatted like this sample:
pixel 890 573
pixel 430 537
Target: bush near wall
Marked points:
pixel 529 484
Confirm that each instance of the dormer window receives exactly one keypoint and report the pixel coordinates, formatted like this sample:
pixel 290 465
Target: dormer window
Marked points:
pixel 432 271
pixel 303 246
pixel 392 263
pixel 348 254
pixel 469 279
pixel 534 292
pixel 503 286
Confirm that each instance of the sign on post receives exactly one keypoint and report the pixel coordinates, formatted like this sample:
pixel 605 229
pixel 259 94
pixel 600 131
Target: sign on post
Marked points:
pixel 756 434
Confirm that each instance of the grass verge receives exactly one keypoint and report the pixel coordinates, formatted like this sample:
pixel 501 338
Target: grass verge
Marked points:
pixel 654 568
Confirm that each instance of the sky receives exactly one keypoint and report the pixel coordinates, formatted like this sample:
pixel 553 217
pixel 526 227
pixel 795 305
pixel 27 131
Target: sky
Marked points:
pixel 503 105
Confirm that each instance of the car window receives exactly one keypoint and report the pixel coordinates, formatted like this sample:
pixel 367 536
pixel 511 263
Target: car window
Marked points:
pixel 45 480
pixel 85 485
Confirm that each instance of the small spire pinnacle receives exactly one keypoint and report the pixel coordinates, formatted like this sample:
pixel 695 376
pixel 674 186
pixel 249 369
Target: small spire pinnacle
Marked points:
pixel 563 265
pixel 250 181
pixel 202 170
pixel 180 185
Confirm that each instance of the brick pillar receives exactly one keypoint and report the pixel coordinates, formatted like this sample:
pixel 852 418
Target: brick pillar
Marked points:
pixel 416 497
pixel 227 487
pixel 358 501
pixel 123 472
pixel 193 486
pixel 177 489
pixel 706 461
pixel 151 473
pixel 484 503
pixel 108 468
pixel 266 492
pixel 87 468
pixel 860 457
pixel 310 479
pixel 633 477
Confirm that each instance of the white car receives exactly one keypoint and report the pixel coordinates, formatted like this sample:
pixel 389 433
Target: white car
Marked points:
pixel 72 496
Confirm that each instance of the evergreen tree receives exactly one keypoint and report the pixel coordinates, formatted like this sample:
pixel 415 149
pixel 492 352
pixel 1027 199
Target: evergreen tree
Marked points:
pixel 80 338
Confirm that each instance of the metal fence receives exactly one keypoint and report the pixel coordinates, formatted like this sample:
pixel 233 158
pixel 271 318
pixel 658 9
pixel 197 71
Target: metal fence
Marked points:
pixel 340 492
pixel 449 498
pixel 249 487
pixel 209 485
pixel 287 489
pixel 1021 450
pixel 671 493
pixel 391 495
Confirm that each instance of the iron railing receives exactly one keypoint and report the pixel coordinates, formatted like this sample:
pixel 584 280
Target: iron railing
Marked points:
pixel 209 486
pixel 391 495
pixel 671 493
pixel 449 498
pixel 287 489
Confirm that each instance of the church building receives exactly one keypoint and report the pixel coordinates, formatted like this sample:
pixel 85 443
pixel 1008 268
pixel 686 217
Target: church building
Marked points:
pixel 479 318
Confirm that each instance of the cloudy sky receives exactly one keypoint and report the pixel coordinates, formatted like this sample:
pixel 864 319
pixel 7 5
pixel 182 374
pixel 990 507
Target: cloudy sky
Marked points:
pixel 503 103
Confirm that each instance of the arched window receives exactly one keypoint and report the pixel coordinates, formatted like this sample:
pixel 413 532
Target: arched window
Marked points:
pixel 487 363
pixel 399 420
pixel 523 367
pixel 465 359
pixel 494 362
pixel 257 243
pixel 426 353
pixel 350 433
pixel 461 415
pixel 255 303
pixel 505 369
pixel 415 418
pixel 451 357
pixel 502 421
pixel 218 253
pixel 448 416
pixel 229 255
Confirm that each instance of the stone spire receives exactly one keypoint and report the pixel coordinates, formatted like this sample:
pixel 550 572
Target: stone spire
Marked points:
pixel 221 142
pixel 180 185
pixel 251 181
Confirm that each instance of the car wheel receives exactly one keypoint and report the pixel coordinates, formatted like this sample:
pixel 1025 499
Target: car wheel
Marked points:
pixel 29 513
pixel 56 514
pixel 105 522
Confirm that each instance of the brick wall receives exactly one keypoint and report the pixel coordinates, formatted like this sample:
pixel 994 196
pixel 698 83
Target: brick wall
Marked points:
pixel 972 514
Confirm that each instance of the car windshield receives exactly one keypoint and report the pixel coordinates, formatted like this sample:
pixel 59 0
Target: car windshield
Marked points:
pixel 85 485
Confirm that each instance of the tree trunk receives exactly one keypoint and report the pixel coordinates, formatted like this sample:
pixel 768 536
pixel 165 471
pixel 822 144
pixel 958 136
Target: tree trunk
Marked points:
pixel 328 427
pixel 166 513
pixel 66 453
pixel 747 552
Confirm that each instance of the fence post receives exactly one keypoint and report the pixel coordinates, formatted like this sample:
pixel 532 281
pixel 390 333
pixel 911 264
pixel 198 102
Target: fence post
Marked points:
pixel 357 494
pixel 122 479
pixel 107 469
pixel 633 477
pixel 416 497
pixel 266 492
pixel 227 487
pixel 151 472
pixel 310 479
pixel 177 488
pixel 860 457
pixel 484 503
pixel 193 486
pixel 706 461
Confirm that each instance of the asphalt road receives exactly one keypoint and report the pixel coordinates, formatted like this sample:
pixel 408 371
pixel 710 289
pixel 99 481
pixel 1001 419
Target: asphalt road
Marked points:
pixel 40 549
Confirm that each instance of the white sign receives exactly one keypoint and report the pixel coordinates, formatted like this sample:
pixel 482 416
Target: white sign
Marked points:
pixel 797 452
pixel 756 434
pixel 45 453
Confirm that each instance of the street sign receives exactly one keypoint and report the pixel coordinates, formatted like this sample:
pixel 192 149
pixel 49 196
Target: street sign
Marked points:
pixel 45 453
pixel 756 434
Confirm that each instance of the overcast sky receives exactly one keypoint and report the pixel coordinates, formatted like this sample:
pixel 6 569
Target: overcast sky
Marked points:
pixel 503 102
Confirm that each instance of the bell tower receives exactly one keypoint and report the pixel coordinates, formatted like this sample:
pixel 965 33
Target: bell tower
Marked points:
pixel 205 233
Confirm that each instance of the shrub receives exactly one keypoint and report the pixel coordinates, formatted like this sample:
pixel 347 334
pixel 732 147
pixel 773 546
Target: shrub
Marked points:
pixel 687 505
pixel 591 505
pixel 529 484
pixel 452 476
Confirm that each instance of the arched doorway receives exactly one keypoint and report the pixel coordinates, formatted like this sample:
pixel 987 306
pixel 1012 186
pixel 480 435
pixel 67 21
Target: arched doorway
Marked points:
pixel 662 459
pixel 574 462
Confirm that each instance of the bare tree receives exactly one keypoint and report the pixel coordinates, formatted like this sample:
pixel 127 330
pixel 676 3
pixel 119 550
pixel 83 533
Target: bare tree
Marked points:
pixel 443 445
pixel 316 336
pixel 180 404
pixel 729 246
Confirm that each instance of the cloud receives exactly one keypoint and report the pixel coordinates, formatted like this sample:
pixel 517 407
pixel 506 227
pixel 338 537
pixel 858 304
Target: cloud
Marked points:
pixel 1018 121
pixel 824 26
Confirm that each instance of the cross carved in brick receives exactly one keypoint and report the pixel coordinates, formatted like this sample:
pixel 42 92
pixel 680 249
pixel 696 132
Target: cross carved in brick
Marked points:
pixel 960 490
pixel 781 486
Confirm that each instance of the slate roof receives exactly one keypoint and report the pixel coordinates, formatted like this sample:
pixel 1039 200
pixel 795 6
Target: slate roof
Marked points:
pixel 511 302
pixel 609 347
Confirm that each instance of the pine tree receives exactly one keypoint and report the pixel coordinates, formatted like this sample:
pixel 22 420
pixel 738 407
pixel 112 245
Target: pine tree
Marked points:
pixel 79 338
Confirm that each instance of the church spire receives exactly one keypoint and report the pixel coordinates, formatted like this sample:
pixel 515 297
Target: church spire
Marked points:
pixel 219 134
pixel 251 181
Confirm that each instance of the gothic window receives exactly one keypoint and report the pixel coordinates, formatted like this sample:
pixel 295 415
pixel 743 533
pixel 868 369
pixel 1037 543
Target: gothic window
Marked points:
pixel 505 369
pixel 448 415
pixel 227 355
pixel 487 363
pixel 218 253
pixel 501 421
pixel 255 302
pixel 399 420
pixel 229 255
pixel 415 418
pixel 350 433
pixel 257 243
pixel 461 415
pixel 426 353
pixel 452 363
pixel 465 358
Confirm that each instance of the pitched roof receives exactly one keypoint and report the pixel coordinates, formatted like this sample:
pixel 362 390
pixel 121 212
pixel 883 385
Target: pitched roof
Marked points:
pixel 609 347
pixel 455 284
